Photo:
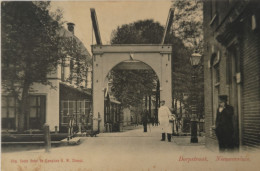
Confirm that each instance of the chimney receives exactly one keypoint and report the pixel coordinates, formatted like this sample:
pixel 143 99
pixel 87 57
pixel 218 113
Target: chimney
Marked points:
pixel 71 27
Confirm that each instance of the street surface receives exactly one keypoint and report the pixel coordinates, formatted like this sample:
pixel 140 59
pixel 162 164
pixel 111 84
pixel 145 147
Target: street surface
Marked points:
pixel 125 151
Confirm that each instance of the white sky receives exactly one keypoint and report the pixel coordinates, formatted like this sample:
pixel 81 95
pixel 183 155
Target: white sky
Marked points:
pixel 110 14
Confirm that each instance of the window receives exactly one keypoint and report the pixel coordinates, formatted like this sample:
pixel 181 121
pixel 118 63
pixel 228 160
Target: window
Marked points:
pixel 83 111
pixel 9 112
pixel 79 109
pixel 67 109
pixel 228 70
pixel 214 5
pixel 217 74
pixel 215 60
pixel 33 120
pixel 36 116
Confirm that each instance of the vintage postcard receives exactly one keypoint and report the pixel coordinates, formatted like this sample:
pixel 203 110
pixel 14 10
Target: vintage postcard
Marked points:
pixel 130 85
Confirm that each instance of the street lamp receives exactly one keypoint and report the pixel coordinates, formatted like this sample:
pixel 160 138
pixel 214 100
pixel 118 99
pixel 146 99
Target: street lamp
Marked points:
pixel 194 60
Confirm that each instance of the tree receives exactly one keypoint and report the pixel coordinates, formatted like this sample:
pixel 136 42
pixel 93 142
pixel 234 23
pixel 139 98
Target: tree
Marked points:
pixel 30 49
pixel 131 86
pixel 188 27
pixel 139 32
pixel 187 23
pixel 142 32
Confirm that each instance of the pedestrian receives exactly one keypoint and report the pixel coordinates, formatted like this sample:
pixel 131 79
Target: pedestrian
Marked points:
pixel 145 119
pixel 173 121
pixel 224 125
pixel 164 116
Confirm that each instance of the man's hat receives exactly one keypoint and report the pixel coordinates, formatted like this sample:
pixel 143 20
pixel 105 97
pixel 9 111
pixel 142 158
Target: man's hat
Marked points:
pixel 223 97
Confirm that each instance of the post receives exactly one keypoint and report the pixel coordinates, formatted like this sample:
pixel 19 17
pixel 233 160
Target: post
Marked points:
pixel 195 60
pixel 80 128
pixel 157 104
pixel 70 127
pixel 150 106
pixel 98 120
pixel 56 129
pixel 47 137
pixel 194 136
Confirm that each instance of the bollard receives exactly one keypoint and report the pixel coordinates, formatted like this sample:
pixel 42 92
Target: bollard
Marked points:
pixel 110 127
pixel 68 134
pixel 56 129
pixel 47 137
pixel 80 128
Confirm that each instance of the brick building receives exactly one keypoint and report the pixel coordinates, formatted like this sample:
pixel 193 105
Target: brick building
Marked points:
pixel 232 67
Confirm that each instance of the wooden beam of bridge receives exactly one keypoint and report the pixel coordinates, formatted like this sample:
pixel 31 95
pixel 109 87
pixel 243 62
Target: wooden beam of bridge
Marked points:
pixel 132 66
pixel 168 24
pixel 95 26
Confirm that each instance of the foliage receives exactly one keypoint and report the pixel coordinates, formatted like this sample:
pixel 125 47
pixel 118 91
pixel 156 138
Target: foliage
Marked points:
pixel 30 48
pixel 129 87
pixel 29 43
pixel 147 32
pixel 187 26
pixel 139 32
pixel 72 49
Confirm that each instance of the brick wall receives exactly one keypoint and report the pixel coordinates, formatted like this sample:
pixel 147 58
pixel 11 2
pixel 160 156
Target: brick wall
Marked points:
pixel 251 84
pixel 249 54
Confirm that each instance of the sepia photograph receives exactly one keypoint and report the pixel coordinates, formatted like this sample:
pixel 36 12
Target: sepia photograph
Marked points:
pixel 130 85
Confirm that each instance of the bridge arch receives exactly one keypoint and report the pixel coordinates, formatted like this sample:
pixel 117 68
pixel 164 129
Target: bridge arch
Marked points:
pixel 106 57
pixel 130 65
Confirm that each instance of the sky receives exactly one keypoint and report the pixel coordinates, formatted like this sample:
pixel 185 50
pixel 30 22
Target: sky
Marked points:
pixel 110 15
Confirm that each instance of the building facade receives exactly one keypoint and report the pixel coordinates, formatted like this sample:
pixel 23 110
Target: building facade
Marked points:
pixel 232 67
pixel 71 97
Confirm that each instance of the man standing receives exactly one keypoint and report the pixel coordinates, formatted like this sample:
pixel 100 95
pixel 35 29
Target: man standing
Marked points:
pixel 164 116
pixel 145 119
pixel 224 124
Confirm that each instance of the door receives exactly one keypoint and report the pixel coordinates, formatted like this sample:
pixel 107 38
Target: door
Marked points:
pixel 235 93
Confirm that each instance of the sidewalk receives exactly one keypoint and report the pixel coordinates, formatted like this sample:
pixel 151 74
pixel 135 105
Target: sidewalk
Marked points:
pixel 185 140
pixel 130 127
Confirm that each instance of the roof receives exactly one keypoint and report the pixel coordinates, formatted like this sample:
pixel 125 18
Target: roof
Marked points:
pixel 84 51
pixel 87 92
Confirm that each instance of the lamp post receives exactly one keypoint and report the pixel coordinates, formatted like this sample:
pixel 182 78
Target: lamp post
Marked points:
pixel 195 60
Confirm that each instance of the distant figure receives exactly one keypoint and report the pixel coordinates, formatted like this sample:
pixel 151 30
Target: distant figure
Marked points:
pixel 136 120
pixel 224 125
pixel 164 116
pixel 173 121
pixel 145 119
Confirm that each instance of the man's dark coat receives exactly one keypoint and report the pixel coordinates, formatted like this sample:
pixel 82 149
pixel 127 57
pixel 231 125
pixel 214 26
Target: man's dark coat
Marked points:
pixel 224 127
